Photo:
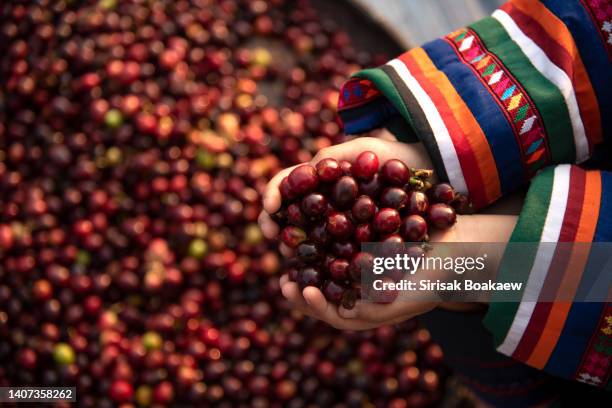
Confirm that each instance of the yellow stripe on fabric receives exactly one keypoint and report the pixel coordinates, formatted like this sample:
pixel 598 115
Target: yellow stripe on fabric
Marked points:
pixel 572 274
pixel 473 133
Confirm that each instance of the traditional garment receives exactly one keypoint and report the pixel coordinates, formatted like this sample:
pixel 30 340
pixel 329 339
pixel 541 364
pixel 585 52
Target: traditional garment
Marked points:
pixel 523 96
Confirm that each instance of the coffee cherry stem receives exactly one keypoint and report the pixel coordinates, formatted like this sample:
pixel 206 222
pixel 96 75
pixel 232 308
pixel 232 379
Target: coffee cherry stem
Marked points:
pixel 423 174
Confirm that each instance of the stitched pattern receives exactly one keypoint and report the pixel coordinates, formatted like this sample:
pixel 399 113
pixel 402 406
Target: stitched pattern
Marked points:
pixel 521 112
pixel 356 92
pixel 601 13
pixel 596 364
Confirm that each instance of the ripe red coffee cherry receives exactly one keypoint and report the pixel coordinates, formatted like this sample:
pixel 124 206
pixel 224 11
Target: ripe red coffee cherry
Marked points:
pixel 366 165
pixel 295 216
pixel 361 265
pixel 339 225
pixel 285 189
pixel 329 170
pixel 344 192
pixel 441 216
pixel 386 221
pixel 363 209
pixel 314 205
pixel 393 239
pixel 347 167
pixel 121 391
pixel 338 269
pixel 303 179
pixel 394 197
pixel 418 203
pixel 371 187
pixel 413 228
pixel 395 172
pixel 293 236
pixel 363 233
pixel 442 193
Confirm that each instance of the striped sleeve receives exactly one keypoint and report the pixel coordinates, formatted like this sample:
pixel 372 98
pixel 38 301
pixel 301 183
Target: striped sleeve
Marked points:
pixel 499 100
pixel 562 324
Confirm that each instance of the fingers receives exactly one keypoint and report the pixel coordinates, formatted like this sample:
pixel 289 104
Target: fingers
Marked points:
pixel 375 312
pixel 286 251
pixel 268 227
pixel 272 197
pixel 291 291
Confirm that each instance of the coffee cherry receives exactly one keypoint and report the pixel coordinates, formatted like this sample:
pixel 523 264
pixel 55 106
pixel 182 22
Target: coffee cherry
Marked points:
pixel 295 216
pixel 418 203
pixel 314 205
pixel 371 187
pixel 293 236
pixel 121 391
pixel 333 291
pixel 395 172
pixel 346 167
pixel 285 189
pixel 329 170
pixel 338 269
pixel 339 225
pixel 413 228
pixel 309 276
pixel 307 252
pixel 441 216
pixel 361 265
pixel 319 234
pixel 344 249
pixel 363 209
pixel 303 179
pixel 344 192
pixel 63 354
pixel 442 193
pixel 394 197
pixel 366 165
pixel 363 233
pixel 386 221
pixel 393 239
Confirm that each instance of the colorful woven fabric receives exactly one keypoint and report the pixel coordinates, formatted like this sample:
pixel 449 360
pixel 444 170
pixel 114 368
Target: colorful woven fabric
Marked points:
pixel 521 112
pixel 601 13
pixel 596 364
pixel 497 104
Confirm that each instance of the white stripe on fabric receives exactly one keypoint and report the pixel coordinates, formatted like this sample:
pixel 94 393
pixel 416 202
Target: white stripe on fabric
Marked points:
pixel 543 259
pixel 554 74
pixel 443 139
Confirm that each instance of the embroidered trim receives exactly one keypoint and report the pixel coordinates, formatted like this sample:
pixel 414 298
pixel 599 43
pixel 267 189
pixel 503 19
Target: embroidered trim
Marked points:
pixel 521 111
pixel 601 14
pixel 356 92
pixel 596 365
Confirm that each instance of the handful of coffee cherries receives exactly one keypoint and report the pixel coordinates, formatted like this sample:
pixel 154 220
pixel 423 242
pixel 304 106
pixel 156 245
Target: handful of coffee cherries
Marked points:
pixel 330 209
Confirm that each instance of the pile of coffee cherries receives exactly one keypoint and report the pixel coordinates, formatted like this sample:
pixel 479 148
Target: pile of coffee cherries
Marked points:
pixel 330 209
pixel 136 140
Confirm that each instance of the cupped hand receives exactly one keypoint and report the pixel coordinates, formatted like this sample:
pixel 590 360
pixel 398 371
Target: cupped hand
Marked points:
pixel 368 315
pixel 414 155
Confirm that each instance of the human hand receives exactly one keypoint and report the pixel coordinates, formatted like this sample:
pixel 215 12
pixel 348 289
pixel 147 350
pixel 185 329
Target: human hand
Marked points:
pixel 367 315
pixel 414 155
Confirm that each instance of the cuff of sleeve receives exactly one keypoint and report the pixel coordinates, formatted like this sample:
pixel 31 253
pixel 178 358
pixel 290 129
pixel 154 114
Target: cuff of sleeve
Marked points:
pixel 564 204
pixel 409 90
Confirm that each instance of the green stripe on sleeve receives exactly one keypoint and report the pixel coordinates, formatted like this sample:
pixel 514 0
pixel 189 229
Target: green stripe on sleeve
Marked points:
pixel 385 86
pixel 518 260
pixel 548 99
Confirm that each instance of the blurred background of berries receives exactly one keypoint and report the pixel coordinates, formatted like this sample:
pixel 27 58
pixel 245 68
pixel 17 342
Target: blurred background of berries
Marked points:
pixel 136 138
